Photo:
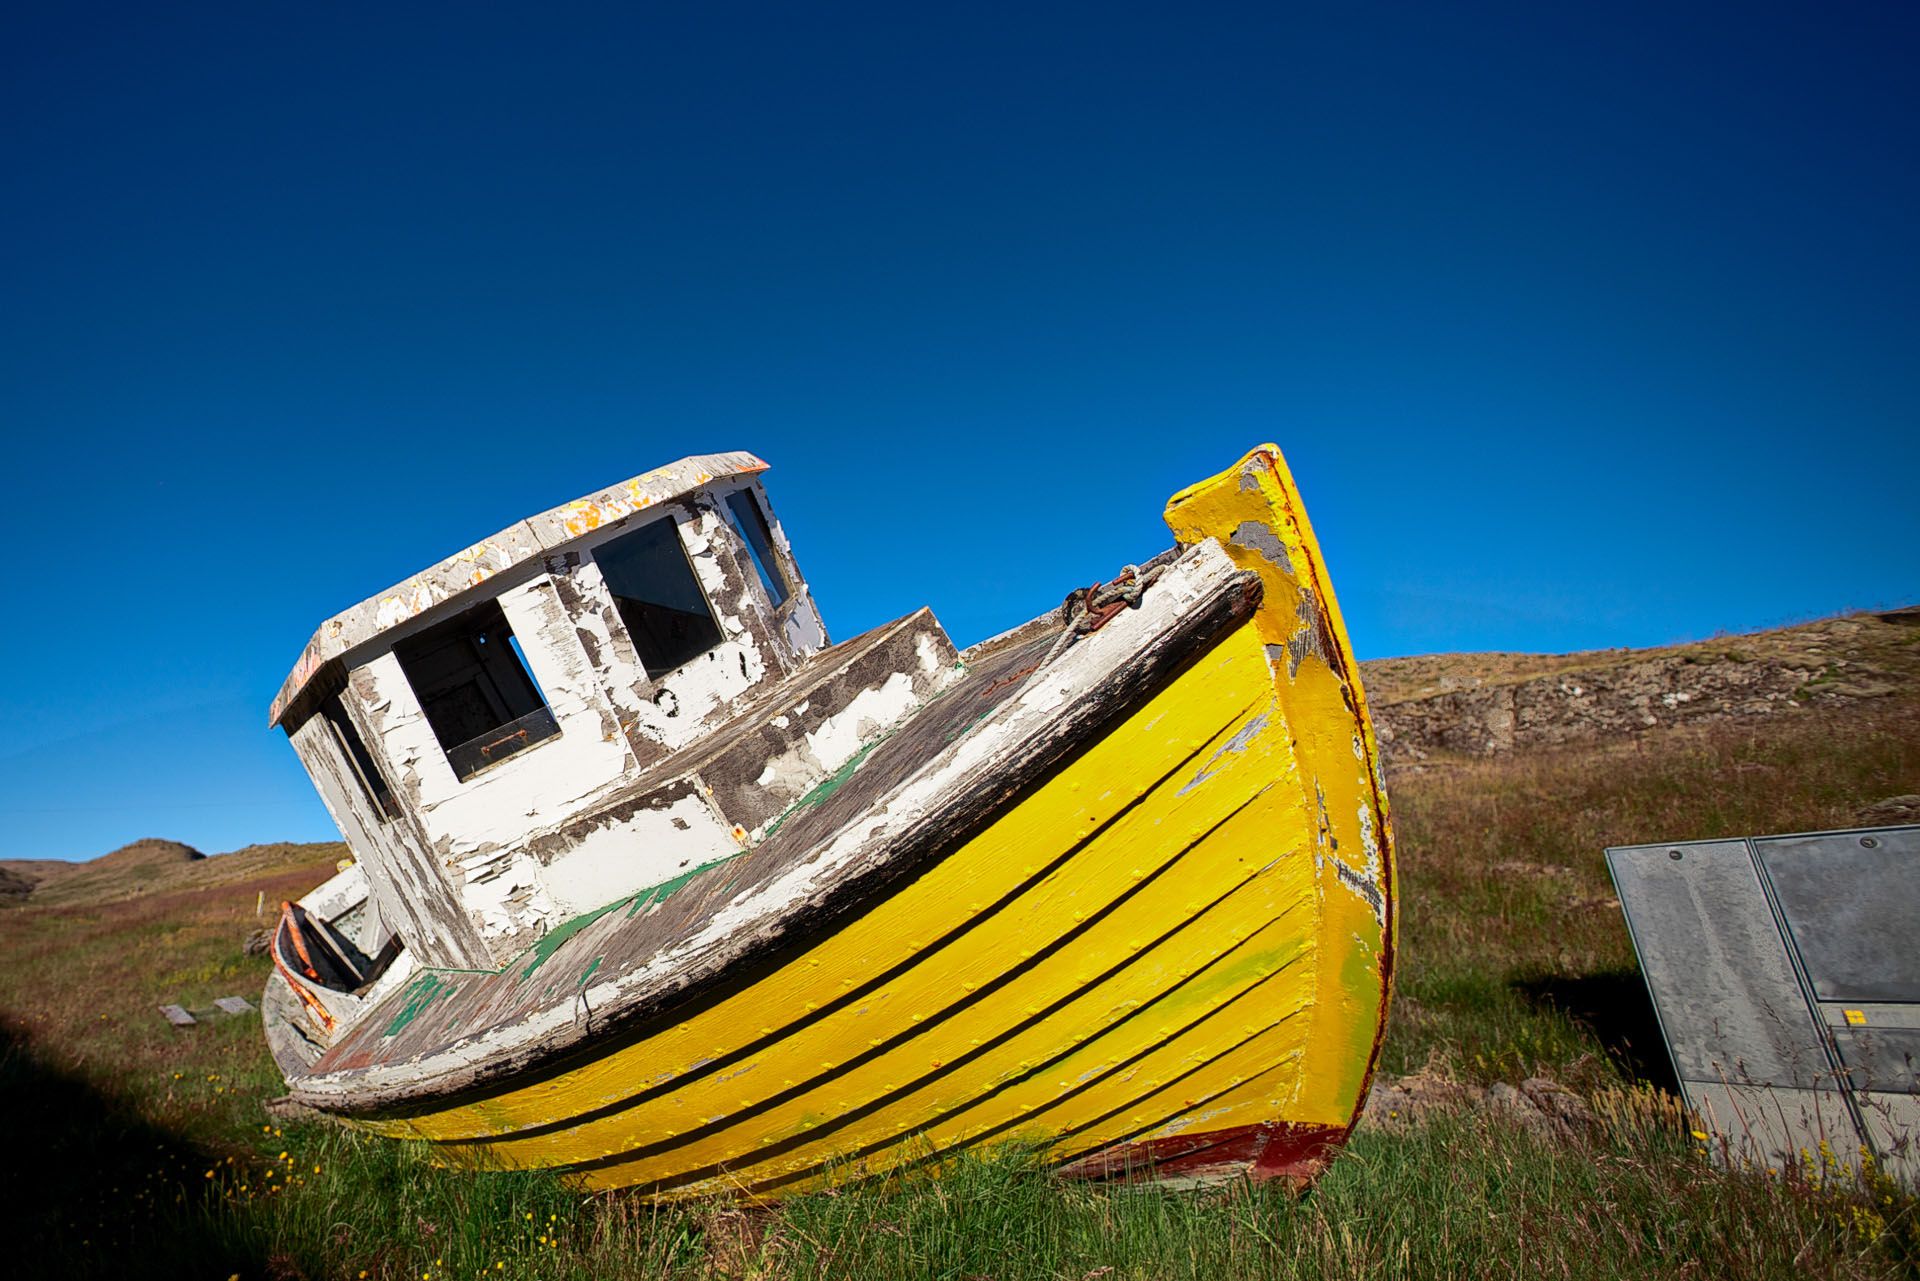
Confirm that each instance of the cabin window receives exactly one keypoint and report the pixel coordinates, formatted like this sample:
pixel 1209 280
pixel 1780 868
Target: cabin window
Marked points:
pixel 660 600
pixel 474 687
pixel 747 517
pixel 359 761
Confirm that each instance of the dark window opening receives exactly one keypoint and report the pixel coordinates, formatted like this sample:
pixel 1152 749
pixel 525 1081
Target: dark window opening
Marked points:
pixel 745 514
pixel 372 782
pixel 660 600
pixel 475 689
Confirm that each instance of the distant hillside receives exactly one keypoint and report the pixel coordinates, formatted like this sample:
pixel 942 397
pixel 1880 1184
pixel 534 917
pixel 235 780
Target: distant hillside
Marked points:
pixel 146 867
pixel 1442 705
pixel 1429 708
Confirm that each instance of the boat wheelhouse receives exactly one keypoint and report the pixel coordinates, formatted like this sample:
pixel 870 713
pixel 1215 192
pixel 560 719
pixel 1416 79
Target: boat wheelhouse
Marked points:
pixel 507 739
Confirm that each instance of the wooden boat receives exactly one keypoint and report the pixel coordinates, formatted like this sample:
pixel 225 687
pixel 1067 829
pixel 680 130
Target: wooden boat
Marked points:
pixel 655 887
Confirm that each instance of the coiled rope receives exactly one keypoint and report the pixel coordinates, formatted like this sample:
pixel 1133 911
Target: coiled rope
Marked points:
pixel 1088 609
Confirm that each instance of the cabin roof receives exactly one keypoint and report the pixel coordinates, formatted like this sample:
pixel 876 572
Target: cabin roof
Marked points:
pixel 516 544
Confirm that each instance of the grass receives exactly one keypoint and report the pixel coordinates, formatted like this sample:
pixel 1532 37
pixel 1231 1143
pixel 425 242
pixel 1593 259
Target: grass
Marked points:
pixel 136 1150
pixel 1513 954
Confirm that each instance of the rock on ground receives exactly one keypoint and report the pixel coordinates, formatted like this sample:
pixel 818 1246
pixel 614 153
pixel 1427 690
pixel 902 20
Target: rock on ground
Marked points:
pixel 1537 1104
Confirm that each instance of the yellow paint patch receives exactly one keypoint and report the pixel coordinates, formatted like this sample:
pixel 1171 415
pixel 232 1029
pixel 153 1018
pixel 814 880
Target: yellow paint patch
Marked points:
pixel 581 517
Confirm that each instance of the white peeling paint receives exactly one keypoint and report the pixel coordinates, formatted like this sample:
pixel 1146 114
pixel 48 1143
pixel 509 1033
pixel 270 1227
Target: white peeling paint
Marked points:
pixel 841 735
pixel 868 716
pixel 931 660
pixel 652 847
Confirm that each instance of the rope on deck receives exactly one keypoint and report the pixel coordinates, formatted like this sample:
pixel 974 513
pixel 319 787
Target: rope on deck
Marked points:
pixel 1088 609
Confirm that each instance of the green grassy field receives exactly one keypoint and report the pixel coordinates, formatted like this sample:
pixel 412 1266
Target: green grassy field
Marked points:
pixel 135 1150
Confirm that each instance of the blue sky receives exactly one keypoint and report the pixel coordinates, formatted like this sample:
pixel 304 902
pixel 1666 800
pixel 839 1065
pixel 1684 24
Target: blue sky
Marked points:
pixel 1580 326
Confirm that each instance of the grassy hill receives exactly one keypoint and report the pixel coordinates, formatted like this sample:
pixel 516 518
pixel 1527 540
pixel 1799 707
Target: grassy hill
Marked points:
pixel 136 1149
pixel 150 867
pixel 1445 706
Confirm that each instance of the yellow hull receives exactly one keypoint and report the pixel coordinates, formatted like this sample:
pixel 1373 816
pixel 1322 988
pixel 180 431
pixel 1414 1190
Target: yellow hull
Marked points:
pixel 1176 951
